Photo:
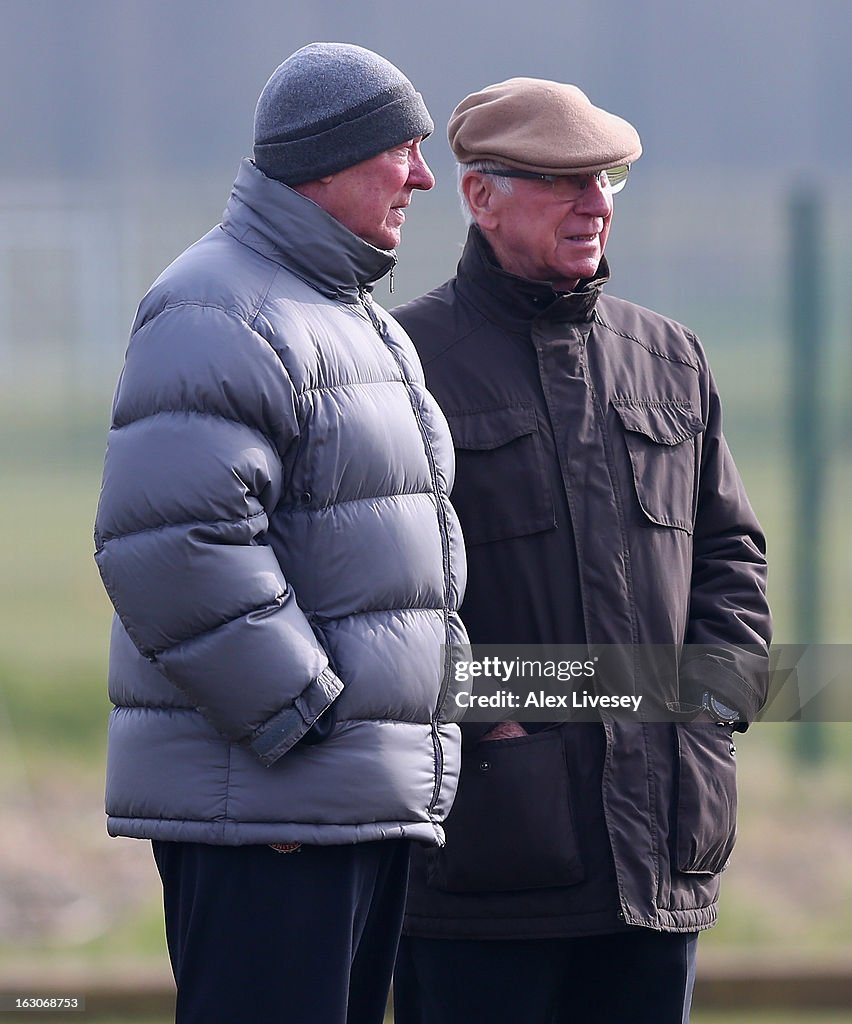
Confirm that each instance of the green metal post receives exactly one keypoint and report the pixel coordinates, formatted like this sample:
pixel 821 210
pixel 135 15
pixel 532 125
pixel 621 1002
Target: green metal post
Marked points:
pixel 807 446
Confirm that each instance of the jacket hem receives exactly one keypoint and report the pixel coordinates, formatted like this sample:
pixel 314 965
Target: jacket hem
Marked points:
pixel 241 833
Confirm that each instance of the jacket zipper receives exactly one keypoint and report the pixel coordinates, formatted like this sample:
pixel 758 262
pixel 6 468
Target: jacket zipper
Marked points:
pixel 377 323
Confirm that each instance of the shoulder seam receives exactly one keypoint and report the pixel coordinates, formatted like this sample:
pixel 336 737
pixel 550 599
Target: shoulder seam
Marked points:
pixel 649 348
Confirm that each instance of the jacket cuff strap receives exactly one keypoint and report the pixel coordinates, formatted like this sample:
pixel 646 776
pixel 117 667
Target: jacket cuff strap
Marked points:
pixel 285 729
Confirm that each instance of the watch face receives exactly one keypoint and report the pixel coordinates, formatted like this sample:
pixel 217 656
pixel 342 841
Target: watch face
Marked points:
pixel 720 710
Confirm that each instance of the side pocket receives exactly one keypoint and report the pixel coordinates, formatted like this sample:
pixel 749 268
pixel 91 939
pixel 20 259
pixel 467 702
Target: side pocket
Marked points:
pixel 706 826
pixel 510 828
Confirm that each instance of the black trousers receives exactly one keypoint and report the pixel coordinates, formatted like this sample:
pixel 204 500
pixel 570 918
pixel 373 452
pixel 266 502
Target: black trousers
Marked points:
pixel 283 938
pixel 633 977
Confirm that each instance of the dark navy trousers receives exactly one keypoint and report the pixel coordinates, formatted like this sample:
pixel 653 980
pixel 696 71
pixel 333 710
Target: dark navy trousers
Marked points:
pixel 633 977
pixel 258 936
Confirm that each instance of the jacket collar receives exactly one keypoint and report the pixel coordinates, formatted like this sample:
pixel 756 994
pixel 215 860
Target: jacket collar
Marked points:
pixel 516 301
pixel 300 236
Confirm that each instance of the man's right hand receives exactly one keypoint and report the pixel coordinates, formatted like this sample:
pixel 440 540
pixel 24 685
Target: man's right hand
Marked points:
pixel 505 731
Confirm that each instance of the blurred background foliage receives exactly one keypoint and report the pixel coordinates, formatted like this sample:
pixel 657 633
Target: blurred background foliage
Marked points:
pixel 123 125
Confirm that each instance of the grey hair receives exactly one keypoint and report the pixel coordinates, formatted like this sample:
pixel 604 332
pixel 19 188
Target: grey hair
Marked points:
pixel 503 185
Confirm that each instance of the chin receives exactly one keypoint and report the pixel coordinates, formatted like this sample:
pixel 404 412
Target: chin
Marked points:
pixel 386 240
pixel 587 269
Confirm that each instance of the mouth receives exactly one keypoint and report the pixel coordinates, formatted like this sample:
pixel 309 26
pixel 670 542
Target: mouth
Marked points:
pixel 583 238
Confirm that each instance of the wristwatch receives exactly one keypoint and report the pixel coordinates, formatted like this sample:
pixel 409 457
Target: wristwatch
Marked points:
pixel 721 713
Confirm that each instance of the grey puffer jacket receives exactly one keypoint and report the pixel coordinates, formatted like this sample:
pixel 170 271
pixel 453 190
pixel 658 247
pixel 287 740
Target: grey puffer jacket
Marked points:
pixel 275 535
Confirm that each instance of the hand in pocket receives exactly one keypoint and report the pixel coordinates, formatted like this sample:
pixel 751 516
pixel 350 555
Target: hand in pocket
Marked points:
pixel 505 731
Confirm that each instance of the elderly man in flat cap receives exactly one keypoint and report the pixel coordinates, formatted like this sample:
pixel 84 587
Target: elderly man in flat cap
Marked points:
pixel 600 507
pixel 275 534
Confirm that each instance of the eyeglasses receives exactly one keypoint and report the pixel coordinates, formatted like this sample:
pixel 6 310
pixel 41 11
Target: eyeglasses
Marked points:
pixel 572 186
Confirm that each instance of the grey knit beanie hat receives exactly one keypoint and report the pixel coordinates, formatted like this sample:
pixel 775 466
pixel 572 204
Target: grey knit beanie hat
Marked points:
pixel 332 105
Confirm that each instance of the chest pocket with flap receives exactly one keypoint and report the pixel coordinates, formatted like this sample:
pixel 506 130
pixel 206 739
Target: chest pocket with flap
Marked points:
pixel 501 487
pixel 660 438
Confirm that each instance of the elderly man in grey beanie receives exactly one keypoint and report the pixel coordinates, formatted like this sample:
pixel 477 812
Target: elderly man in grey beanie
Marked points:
pixel 601 510
pixel 276 538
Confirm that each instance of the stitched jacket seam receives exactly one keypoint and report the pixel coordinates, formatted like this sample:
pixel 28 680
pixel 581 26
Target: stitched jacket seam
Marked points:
pixel 642 344
pixel 109 538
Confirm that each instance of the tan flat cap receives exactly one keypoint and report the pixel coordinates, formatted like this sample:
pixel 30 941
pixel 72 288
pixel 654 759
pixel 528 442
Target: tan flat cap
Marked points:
pixel 535 125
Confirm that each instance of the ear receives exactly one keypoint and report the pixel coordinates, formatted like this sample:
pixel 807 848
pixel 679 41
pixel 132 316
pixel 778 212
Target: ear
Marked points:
pixel 314 190
pixel 480 194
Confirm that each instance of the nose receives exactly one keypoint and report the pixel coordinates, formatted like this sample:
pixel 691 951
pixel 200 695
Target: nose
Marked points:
pixel 594 200
pixel 419 175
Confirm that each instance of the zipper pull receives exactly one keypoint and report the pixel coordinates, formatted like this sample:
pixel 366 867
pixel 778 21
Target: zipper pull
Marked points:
pixel 391 280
